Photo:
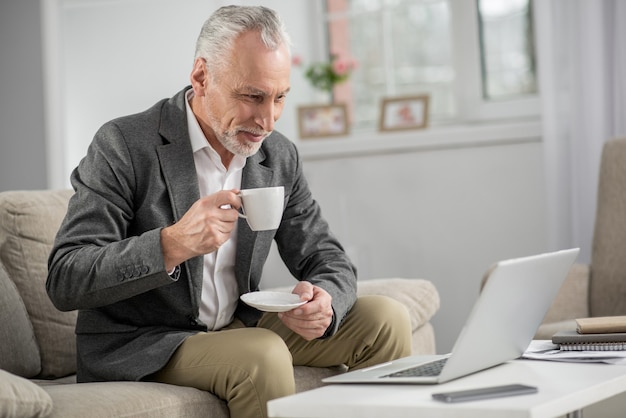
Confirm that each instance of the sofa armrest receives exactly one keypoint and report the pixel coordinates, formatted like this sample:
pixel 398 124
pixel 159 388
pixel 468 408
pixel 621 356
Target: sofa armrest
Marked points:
pixel 418 295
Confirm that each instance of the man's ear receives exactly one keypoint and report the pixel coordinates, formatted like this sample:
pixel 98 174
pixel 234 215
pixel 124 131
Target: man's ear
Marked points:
pixel 199 77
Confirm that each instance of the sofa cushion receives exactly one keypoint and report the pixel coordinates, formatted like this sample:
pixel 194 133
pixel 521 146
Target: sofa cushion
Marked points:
pixel 150 400
pixel 308 378
pixel 18 351
pixel 21 398
pixel 29 221
pixel 133 399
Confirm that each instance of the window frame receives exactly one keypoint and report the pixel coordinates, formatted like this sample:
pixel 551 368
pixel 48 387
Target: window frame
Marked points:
pixel 471 105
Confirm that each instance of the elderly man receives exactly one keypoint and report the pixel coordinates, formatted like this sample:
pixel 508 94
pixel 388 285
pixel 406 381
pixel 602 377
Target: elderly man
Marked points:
pixel 153 256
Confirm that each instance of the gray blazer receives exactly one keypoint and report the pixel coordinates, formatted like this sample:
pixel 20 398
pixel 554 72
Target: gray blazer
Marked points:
pixel 139 176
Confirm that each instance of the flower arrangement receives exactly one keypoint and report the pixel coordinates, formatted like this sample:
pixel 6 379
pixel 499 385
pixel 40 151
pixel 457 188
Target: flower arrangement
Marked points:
pixel 325 75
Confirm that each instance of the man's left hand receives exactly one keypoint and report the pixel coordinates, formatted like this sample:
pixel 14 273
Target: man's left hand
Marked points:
pixel 310 320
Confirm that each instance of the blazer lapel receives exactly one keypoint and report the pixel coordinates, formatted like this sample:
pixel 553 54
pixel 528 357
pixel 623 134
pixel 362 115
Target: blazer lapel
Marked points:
pixel 176 156
pixel 255 174
pixel 179 174
pixel 178 167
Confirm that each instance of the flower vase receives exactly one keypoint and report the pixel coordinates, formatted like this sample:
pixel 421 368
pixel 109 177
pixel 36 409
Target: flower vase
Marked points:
pixel 322 97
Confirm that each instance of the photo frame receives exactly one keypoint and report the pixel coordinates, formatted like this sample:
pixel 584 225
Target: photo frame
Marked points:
pixel 404 113
pixel 322 120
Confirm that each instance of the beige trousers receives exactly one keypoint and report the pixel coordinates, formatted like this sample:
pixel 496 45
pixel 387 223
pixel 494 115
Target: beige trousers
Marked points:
pixel 249 366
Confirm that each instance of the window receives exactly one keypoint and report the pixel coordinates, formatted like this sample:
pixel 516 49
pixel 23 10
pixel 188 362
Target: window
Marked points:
pixel 507 48
pixel 475 59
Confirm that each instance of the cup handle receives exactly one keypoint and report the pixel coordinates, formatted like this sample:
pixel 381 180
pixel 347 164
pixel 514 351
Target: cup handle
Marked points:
pixel 241 215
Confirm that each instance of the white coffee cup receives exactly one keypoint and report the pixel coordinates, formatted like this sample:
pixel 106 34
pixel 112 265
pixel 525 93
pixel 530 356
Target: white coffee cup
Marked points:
pixel 262 207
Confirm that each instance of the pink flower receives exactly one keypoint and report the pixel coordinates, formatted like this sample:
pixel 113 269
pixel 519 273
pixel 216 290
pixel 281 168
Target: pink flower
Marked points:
pixel 325 75
pixel 341 67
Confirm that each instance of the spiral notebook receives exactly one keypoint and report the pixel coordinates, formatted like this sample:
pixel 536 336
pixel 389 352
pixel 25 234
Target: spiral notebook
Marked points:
pixel 574 341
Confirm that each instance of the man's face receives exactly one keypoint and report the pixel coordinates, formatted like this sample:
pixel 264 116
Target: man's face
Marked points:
pixel 240 103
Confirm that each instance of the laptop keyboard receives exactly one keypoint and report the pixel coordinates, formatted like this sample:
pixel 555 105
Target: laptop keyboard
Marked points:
pixel 427 369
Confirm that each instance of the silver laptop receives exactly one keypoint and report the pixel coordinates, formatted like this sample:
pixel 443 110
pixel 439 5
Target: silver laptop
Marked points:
pixel 500 327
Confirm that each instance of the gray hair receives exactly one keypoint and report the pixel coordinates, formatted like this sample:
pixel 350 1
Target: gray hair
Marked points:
pixel 228 22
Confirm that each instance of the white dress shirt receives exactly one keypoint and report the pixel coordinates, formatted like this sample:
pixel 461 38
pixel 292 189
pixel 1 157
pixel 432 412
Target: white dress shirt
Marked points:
pixel 219 286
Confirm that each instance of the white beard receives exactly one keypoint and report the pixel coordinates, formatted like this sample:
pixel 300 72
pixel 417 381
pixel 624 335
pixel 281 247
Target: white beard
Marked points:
pixel 244 149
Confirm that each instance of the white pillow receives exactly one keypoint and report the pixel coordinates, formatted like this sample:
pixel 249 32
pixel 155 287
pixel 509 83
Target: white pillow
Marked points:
pixel 20 398
pixel 19 353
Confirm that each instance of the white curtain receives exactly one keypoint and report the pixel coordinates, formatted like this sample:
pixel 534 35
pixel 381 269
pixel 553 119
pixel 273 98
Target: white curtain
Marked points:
pixel 581 49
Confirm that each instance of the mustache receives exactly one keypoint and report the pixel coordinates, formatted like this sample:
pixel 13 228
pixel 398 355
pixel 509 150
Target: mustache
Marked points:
pixel 255 132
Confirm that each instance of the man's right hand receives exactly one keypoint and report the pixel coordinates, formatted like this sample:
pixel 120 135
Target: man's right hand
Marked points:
pixel 203 229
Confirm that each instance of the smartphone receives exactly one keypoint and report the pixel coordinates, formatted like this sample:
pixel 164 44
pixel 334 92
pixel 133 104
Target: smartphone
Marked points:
pixel 484 393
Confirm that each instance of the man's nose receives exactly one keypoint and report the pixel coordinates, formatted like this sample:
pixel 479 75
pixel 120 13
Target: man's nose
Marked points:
pixel 267 115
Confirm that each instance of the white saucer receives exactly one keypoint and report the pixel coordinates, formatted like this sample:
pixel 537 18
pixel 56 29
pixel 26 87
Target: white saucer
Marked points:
pixel 272 301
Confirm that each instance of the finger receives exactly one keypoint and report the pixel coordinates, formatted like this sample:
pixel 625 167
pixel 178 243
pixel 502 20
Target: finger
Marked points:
pixel 223 199
pixel 231 198
pixel 304 289
pixel 306 329
pixel 308 313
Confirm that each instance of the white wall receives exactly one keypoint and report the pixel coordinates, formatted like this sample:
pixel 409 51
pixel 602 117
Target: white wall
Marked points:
pixel 442 208
pixel 22 145
pixel 120 57
pixel 444 215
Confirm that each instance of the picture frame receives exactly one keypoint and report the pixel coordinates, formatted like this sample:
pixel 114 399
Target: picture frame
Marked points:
pixel 404 113
pixel 316 121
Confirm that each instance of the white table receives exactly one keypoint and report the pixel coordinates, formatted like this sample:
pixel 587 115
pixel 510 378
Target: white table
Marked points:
pixel 564 388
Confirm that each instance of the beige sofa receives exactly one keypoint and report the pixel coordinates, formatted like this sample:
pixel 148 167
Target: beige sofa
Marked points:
pixel 37 347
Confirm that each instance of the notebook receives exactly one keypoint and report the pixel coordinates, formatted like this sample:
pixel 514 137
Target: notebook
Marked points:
pixel 574 341
pixel 601 324
pixel 500 327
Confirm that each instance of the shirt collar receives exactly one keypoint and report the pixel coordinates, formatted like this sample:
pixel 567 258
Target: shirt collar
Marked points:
pixel 198 140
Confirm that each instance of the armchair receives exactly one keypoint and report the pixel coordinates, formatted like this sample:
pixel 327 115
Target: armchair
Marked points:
pixel 598 289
